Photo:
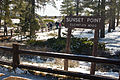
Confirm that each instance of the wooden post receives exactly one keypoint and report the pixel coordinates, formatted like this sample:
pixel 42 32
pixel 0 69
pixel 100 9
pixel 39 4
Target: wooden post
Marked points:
pixel 11 32
pixel 67 48
pixel 95 46
pixel 16 57
pixel 59 32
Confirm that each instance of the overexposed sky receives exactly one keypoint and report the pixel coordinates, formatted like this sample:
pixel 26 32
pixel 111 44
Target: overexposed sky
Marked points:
pixel 49 10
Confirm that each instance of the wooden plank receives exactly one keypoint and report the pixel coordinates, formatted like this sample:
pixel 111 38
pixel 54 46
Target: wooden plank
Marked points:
pixel 67 48
pixel 5 48
pixel 72 57
pixel 95 47
pixel 6 63
pixel 16 56
pixel 67 56
pixel 67 73
pixel 64 56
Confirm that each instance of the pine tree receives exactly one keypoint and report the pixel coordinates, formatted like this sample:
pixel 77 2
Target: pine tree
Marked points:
pixel 67 7
pixel 94 6
pixel 97 8
pixel 102 33
pixel 31 19
pixel 112 6
pixel 0 12
pixel 23 10
pixel 6 12
pixel 118 11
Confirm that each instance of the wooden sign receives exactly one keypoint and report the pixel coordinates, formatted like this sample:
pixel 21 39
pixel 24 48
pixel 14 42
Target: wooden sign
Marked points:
pixel 90 22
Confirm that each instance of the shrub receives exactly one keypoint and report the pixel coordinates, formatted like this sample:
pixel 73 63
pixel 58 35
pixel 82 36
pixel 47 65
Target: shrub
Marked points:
pixel 78 45
pixel 81 45
pixel 36 43
pixel 49 20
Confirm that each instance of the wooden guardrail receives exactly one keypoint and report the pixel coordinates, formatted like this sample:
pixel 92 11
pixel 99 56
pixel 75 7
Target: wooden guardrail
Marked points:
pixel 16 62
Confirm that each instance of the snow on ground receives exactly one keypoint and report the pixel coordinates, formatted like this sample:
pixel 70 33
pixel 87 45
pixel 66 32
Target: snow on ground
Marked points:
pixel 23 74
pixel 112 41
pixel 75 32
pixel 44 36
pixel 84 67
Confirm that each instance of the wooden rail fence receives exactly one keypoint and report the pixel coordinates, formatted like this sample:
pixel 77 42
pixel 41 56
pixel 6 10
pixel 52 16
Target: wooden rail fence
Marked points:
pixel 16 62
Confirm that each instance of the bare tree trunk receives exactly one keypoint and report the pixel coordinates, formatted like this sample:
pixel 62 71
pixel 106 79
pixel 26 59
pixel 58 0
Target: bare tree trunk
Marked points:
pixel 113 23
pixel 110 18
pixel 113 20
pixel 98 14
pixel 113 14
pixel 5 29
pixel 118 14
pixel 102 33
pixel 0 11
pixel 7 16
pixel 0 22
pixel 32 17
pixel 59 32
pixel 109 28
pixel 77 7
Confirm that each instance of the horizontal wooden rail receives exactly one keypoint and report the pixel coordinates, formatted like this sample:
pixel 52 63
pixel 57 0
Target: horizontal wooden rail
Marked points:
pixel 67 73
pixel 6 48
pixel 5 36
pixel 6 63
pixel 16 52
pixel 72 57
pixel 61 72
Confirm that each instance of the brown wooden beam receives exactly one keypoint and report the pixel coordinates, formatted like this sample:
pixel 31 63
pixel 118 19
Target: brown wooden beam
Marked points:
pixel 67 73
pixel 67 56
pixel 6 63
pixel 72 57
pixel 67 48
pixel 16 56
pixel 95 48
pixel 5 48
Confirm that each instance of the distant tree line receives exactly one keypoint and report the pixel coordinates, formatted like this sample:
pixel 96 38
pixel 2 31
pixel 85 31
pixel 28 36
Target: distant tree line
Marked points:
pixel 108 9
pixel 24 10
